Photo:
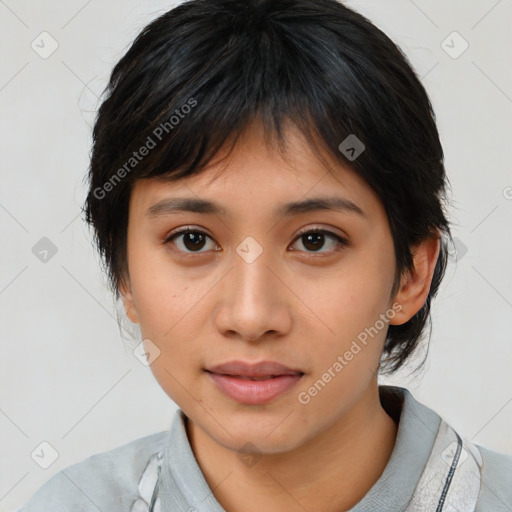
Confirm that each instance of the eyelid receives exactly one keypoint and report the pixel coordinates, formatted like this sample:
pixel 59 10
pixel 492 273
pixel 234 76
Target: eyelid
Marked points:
pixel 302 231
pixel 184 229
pixel 319 229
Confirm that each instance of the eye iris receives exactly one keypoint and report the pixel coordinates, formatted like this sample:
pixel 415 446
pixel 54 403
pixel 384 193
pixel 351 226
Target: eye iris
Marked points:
pixel 316 237
pixel 196 239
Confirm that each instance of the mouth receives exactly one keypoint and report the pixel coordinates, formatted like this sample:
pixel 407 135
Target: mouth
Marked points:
pixel 254 384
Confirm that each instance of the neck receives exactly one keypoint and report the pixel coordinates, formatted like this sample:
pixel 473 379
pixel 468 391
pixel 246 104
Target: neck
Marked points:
pixel 329 473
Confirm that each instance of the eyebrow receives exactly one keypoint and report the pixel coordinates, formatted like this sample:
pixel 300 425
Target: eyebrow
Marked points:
pixel 196 205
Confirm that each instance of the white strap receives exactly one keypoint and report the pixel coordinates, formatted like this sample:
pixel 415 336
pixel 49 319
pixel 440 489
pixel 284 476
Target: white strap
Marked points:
pixel 450 481
pixel 148 486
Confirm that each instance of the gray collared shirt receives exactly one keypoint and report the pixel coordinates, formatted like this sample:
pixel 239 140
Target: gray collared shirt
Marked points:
pixel 429 470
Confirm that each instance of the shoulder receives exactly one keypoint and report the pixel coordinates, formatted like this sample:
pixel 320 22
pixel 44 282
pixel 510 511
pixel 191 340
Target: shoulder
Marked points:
pixel 104 481
pixel 496 484
pixel 495 493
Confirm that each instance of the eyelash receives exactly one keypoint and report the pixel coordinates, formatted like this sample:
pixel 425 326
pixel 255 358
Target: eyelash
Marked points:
pixel 342 242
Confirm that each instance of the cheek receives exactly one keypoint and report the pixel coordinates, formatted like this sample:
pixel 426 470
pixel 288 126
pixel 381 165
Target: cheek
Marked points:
pixel 348 306
pixel 165 311
pixel 350 300
pixel 165 295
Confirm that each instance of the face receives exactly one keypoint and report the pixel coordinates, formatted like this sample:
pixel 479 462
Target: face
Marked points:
pixel 252 283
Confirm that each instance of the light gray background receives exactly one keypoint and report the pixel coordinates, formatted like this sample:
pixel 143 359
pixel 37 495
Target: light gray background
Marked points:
pixel 67 378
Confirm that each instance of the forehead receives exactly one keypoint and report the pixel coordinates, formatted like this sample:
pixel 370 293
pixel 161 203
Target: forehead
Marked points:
pixel 257 179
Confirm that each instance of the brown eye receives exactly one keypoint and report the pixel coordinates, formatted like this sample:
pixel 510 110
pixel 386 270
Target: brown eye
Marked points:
pixel 192 240
pixel 314 240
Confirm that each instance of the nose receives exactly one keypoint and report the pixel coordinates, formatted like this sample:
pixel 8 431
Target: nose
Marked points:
pixel 255 302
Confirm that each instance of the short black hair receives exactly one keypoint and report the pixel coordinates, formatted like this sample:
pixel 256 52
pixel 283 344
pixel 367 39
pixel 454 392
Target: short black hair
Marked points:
pixel 196 76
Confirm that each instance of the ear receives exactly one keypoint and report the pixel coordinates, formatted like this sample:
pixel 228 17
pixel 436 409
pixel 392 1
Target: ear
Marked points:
pixel 128 300
pixel 415 284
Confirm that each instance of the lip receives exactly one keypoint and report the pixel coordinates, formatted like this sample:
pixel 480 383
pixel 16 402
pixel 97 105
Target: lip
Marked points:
pixel 233 379
pixel 260 369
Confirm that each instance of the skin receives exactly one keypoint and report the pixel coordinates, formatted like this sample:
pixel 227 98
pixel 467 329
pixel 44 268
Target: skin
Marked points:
pixel 293 304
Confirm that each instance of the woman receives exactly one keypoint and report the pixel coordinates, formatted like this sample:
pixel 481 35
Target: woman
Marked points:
pixel 267 190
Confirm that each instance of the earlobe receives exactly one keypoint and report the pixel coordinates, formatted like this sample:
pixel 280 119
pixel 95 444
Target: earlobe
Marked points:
pixel 128 301
pixel 415 286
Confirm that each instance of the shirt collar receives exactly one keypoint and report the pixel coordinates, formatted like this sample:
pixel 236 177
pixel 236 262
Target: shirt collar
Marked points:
pixel 184 487
pixel 417 430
